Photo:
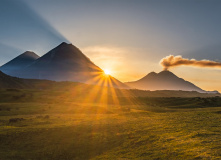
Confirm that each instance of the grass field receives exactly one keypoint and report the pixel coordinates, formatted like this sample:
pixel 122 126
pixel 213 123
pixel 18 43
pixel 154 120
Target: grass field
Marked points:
pixel 54 125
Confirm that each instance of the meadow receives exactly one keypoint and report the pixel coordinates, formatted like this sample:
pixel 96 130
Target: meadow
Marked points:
pixel 66 124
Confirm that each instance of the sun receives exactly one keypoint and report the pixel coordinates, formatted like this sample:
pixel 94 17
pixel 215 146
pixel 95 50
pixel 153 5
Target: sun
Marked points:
pixel 107 72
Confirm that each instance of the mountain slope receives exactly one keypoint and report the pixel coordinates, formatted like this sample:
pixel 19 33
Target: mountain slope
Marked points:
pixel 13 82
pixel 164 80
pixel 67 63
pixel 19 62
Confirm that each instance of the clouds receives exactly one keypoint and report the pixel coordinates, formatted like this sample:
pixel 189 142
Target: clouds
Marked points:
pixel 174 61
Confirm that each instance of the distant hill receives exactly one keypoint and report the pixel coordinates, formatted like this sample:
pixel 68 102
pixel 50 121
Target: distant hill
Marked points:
pixel 13 82
pixel 67 63
pixel 165 80
pixel 19 63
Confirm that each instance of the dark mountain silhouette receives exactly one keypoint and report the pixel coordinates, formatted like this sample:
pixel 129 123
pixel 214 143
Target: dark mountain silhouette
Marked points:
pixel 19 63
pixel 13 82
pixel 165 80
pixel 67 63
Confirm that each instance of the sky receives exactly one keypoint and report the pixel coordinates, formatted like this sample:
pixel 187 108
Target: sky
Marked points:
pixel 127 37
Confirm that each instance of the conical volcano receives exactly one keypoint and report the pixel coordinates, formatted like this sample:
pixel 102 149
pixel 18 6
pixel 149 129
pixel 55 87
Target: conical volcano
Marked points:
pixel 63 63
pixel 19 62
pixel 65 57
pixel 164 80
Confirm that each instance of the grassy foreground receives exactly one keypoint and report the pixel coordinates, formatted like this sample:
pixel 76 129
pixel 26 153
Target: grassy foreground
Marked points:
pixel 56 127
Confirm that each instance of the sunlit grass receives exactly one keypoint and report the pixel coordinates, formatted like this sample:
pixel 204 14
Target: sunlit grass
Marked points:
pixel 89 131
pixel 93 122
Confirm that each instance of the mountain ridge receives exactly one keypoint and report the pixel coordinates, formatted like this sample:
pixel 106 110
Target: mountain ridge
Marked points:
pixel 67 63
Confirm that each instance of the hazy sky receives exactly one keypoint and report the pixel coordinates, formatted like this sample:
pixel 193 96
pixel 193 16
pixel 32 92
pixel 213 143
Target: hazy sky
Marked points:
pixel 128 37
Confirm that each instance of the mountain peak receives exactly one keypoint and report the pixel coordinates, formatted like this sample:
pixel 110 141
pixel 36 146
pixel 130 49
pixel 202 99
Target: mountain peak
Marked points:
pixel 166 73
pixel 65 48
pixel 162 74
pixel 64 44
pixel 29 54
pixel 151 74
pixel 19 62
pixel 67 52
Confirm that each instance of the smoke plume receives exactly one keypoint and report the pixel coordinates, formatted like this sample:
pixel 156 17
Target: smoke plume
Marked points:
pixel 174 61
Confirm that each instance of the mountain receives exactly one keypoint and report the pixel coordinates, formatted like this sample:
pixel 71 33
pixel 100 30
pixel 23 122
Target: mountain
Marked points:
pixel 67 63
pixel 19 62
pixel 164 80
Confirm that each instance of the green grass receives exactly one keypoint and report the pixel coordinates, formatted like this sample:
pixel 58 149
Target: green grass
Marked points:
pixel 56 125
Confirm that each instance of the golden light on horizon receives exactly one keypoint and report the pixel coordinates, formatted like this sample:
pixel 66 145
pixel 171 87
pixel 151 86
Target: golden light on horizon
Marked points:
pixel 107 72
